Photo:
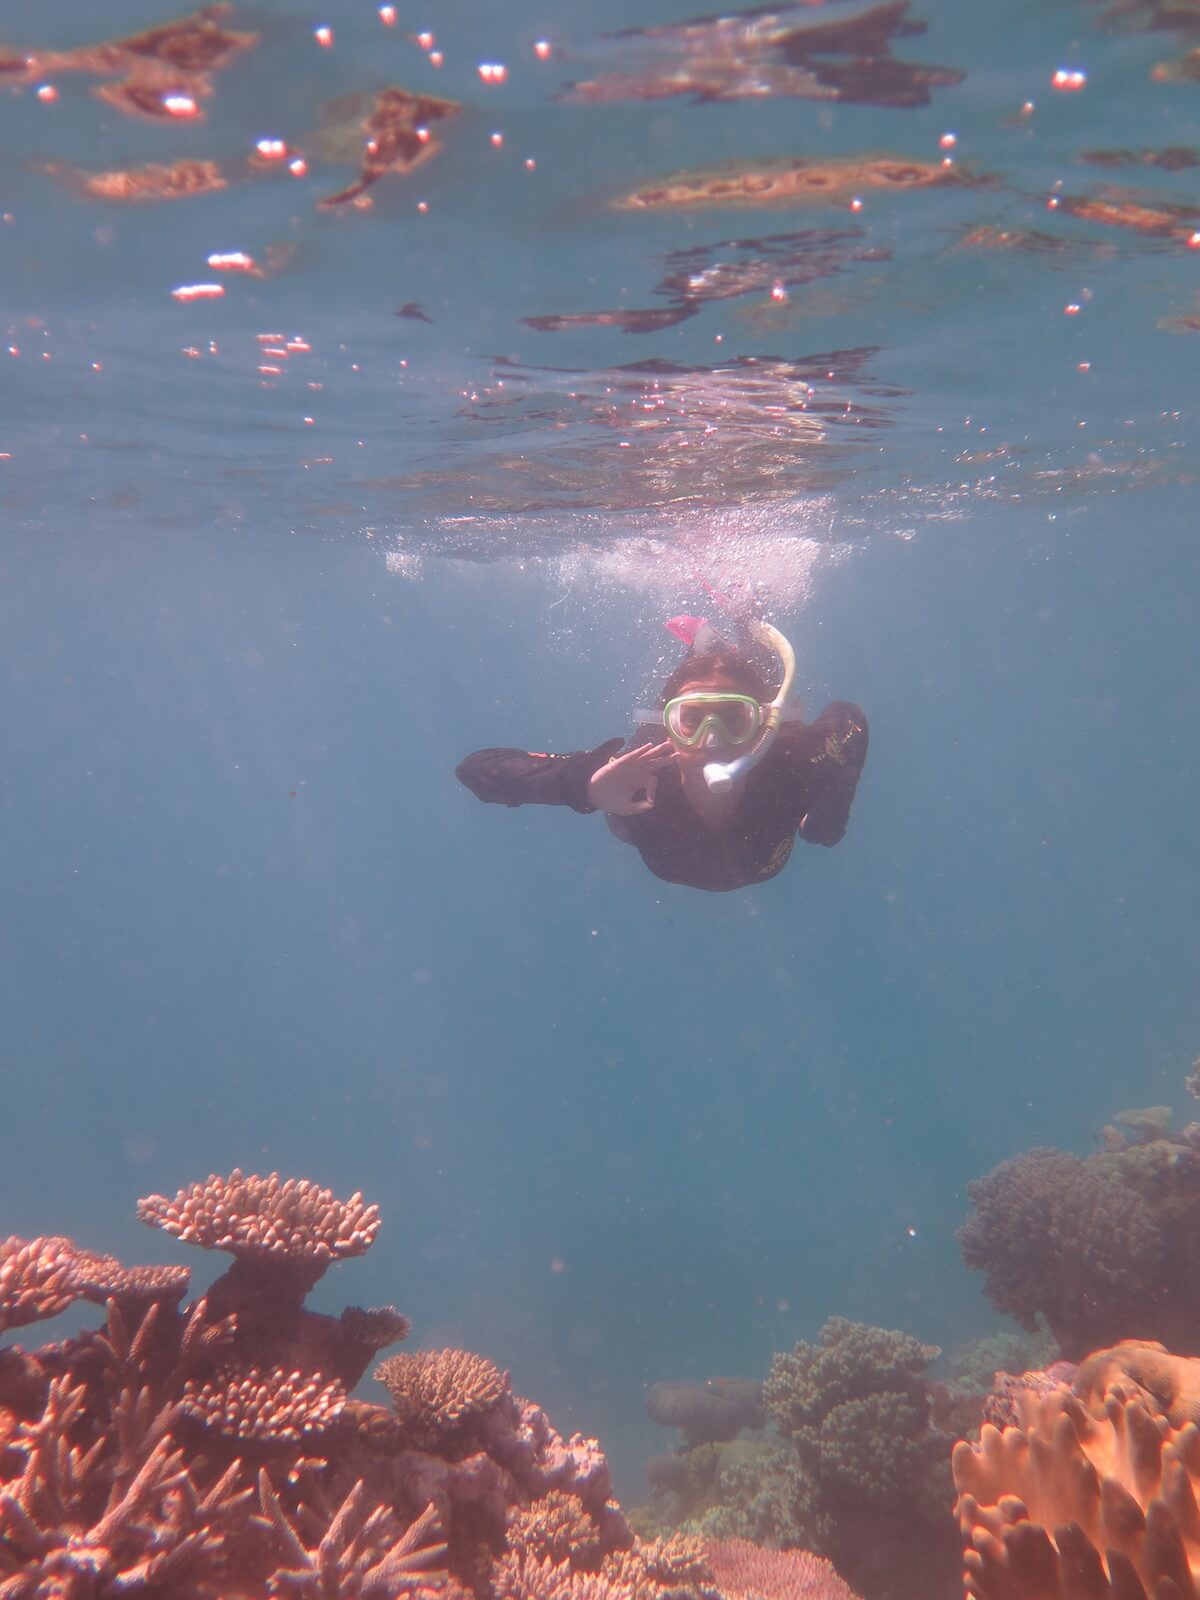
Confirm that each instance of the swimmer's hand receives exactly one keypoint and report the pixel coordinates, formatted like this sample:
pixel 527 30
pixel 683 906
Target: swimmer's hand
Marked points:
pixel 625 785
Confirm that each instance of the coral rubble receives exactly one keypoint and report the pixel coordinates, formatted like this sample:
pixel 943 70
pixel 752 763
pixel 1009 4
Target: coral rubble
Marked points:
pixel 210 1451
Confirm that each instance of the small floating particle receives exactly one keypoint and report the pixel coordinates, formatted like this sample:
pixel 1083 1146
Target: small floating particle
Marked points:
pixel 387 15
pixel 180 105
pixel 1071 310
pixel 1070 80
pixel 298 344
pixel 436 58
pixel 271 149
pixel 497 140
pixel 948 141
pixel 426 40
pixel 47 93
pixel 422 206
pixel 1085 366
pixel 298 167
pixel 530 164
pixel 308 422
pixel 324 36
pixel 542 49
pixel 198 291
pixel 492 71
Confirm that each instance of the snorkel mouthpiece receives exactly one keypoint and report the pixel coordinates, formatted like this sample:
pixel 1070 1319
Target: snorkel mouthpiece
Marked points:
pixel 720 776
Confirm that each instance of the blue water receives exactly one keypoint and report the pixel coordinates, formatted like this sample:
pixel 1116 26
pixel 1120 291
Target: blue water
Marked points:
pixel 619 1130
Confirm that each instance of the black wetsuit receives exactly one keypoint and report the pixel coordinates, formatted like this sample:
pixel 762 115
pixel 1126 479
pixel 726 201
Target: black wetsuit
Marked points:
pixel 803 785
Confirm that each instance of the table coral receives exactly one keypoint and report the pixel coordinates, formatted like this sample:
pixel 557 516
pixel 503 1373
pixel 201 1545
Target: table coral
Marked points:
pixel 747 1572
pixel 251 1216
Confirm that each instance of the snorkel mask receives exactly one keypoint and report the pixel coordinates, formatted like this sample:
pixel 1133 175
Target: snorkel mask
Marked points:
pixel 702 717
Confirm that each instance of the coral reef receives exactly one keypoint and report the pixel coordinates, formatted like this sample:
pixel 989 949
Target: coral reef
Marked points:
pixel 210 1451
pixel 857 1409
pixel 747 1572
pixel 1103 1248
pixel 855 1447
pixel 1054 1236
pixel 711 1412
pixel 1092 1493
pixel 437 1393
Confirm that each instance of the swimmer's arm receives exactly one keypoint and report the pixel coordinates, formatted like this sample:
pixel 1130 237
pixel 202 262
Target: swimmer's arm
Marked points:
pixel 825 759
pixel 504 777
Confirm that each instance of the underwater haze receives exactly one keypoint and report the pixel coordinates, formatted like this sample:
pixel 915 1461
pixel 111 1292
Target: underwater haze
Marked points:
pixel 371 397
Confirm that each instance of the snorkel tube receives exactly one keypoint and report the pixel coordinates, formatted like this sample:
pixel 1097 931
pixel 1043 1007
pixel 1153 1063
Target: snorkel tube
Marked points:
pixel 720 776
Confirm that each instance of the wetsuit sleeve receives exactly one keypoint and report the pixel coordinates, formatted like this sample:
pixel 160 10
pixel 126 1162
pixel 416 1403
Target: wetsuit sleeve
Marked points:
pixel 826 758
pixel 523 777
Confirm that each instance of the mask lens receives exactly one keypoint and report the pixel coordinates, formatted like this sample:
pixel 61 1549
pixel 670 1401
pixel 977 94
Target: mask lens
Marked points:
pixel 733 718
pixel 738 718
pixel 691 715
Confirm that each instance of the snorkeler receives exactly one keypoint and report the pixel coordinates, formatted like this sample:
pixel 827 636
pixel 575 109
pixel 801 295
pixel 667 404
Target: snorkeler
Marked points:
pixel 718 802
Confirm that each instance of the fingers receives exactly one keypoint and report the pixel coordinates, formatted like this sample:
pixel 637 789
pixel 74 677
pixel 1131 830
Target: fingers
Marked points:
pixel 650 756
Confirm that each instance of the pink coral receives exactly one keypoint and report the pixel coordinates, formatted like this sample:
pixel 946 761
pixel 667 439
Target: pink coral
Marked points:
pixel 252 1216
pixel 128 1454
pixel 745 1571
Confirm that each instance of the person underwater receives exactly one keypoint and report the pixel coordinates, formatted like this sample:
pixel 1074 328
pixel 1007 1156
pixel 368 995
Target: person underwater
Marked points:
pixel 719 801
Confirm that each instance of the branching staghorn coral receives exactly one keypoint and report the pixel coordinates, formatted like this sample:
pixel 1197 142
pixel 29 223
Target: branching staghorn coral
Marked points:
pixel 208 1450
